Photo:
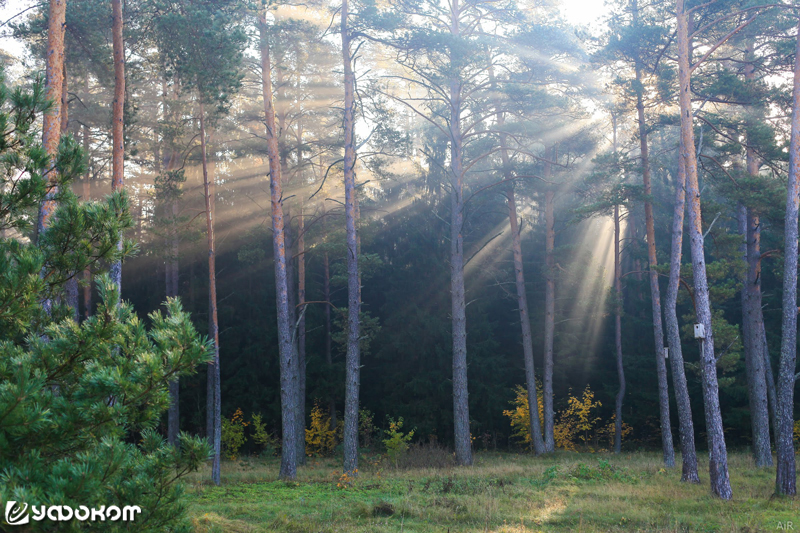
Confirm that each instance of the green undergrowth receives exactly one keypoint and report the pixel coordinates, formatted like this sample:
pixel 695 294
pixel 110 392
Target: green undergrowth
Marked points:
pixel 505 493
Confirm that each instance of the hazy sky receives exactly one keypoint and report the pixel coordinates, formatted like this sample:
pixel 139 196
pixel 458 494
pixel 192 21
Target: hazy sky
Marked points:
pixel 582 12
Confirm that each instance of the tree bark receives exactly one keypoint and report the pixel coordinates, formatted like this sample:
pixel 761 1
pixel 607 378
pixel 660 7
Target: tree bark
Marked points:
pixel 667 448
pixel 117 127
pixel 71 288
pixel 752 325
pixel 214 372
pixel 288 469
pixel 51 127
pixel 618 336
pixel 718 454
pixel 463 440
pixel 301 333
pixel 786 476
pixel 353 358
pixel 685 423
pixel 752 314
pixel 172 284
pixel 87 196
pixel 549 318
pixel 522 302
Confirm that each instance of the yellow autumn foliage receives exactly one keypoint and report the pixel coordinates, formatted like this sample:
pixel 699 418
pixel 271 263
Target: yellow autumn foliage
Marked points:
pixel 576 425
pixel 321 440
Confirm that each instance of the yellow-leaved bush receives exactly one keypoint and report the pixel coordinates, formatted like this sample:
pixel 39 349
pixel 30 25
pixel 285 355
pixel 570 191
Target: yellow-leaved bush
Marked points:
pixel 233 436
pixel 321 440
pixel 576 426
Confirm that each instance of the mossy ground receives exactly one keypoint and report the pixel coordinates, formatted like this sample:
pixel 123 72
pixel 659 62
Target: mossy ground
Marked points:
pixel 501 493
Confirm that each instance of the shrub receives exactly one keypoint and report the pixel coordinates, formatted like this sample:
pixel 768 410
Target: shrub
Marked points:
pixel 79 401
pixel 366 427
pixel 575 426
pixel 268 442
pixel 233 437
pixel 321 440
pixel 397 442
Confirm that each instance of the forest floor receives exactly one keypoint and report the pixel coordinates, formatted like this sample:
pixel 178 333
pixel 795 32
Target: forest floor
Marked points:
pixel 501 493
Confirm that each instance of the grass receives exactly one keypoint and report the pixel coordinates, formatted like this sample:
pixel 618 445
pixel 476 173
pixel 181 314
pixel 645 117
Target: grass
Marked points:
pixel 501 493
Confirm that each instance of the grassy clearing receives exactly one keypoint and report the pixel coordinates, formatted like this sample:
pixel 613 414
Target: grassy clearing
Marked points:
pixel 502 493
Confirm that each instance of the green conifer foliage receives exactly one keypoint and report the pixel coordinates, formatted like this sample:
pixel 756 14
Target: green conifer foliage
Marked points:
pixel 79 403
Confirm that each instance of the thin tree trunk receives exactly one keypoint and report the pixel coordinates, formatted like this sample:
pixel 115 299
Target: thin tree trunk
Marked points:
pixel 685 424
pixel 288 468
pixel 71 288
pixel 51 127
pixel 463 440
pixel 353 358
pixel 549 319
pixel 87 196
pixel 786 477
pixel 524 317
pixel 618 336
pixel 718 454
pixel 214 372
pixel 667 447
pixel 301 331
pixel 752 314
pixel 752 324
pixel 772 394
pixel 326 291
pixel 173 416
pixel 117 127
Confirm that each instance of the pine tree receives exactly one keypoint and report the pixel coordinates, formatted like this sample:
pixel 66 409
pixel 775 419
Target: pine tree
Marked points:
pixel 57 376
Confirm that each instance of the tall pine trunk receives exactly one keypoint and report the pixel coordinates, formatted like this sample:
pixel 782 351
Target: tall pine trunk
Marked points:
pixel 752 314
pixel 118 124
pixel 549 316
pixel 463 440
pixel 214 372
pixel 718 454
pixel 786 476
pixel 301 334
pixel 618 336
pixel 51 126
pixel 288 469
pixel 353 357
pixel 752 323
pixel 667 448
pixel 685 423
pixel 87 195
pixel 525 321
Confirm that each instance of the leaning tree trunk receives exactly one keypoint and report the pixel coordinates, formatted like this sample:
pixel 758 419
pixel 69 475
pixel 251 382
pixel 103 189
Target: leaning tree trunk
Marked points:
pixel 618 336
pixel 117 125
pixel 522 297
pixel 288 365
pixel 667 448
pixel 752 322
pixel 718 454
pixel 786 476
pixel 214 373
pixel 524 317
pixel 353 357
pixel 679 384
pixel 463 440
pixel 51 127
